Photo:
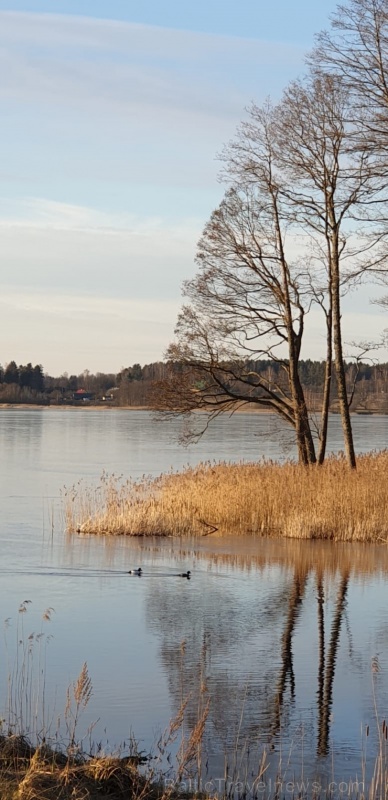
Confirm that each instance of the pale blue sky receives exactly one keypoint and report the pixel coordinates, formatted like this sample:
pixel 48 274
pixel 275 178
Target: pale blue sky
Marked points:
pixel 112 115
pixel 275 21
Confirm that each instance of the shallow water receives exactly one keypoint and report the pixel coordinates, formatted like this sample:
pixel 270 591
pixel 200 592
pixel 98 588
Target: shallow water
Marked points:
pixel 282 634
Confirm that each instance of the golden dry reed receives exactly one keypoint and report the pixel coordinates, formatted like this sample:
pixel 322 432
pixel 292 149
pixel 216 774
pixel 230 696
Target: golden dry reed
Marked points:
pixel 267 499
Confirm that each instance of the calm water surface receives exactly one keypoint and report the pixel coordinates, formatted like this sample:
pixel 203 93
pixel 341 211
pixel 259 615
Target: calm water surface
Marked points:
pixel 283 634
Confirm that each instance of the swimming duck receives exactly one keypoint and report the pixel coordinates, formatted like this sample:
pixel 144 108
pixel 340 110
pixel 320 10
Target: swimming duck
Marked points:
pixel 137 571
pixel 184 574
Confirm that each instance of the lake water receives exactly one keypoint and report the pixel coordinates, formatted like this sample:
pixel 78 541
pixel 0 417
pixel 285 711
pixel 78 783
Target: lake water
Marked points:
pixel 289 640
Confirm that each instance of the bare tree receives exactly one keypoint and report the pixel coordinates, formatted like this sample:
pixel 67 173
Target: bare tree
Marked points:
pixel 296 227
pixel 244 157
pixel 247 302
pixel 321 184
pixel 330 189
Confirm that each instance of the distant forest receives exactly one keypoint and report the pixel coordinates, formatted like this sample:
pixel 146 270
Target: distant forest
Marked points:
pixel 27 384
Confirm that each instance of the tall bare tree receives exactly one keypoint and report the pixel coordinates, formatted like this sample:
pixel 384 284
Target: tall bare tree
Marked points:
pixel 247 302
pixel 296 226
pixel 331 187
pixel 244 160
pixel 323 186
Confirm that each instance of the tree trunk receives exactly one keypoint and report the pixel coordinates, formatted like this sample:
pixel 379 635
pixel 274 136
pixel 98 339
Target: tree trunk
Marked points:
pixel 304 424
pixel 326 388
pixel 340 368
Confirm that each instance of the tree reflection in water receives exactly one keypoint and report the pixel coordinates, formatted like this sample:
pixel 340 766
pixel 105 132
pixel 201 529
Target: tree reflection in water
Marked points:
pixel 287 669
pixel 326 676
pixel 240 644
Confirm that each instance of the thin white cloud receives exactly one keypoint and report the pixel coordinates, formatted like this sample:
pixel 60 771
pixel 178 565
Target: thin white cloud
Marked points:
pixel 49 244
pixel 73 307
pixel 83 62
pixel 131 103
pixel 92 99
pixel 44 213
pixel 73 333
pixel 53 31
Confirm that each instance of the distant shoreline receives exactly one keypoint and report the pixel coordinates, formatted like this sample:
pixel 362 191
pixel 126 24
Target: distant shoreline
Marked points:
pixel 64 407
pixel 249 409
pixel 103 407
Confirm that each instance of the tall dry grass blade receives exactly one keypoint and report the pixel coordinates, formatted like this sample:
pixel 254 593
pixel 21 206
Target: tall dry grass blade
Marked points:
pixel 78 697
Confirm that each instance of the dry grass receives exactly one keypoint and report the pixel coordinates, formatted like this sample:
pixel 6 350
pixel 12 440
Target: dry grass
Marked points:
pixel 268 499
pixel 28 773
pixel 47 766
pixel 45 773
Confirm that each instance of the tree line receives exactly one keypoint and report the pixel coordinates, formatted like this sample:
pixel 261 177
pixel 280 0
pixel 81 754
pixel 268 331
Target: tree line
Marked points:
pixel 30 384
pixel 136 385
pixel 302 221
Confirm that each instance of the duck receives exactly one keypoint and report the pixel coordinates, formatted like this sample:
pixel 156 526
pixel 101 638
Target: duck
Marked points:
pixel 184 574
pixel 137 571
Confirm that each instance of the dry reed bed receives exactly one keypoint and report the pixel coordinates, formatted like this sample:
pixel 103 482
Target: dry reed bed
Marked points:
pixel 270 499
pixel 29 773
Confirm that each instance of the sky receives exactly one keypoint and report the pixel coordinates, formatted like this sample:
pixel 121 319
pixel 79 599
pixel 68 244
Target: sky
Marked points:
pixel 113 113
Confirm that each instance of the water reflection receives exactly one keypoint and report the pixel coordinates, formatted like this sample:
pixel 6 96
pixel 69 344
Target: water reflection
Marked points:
pixel 271 617
pixel 265 639
pixel 280 635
